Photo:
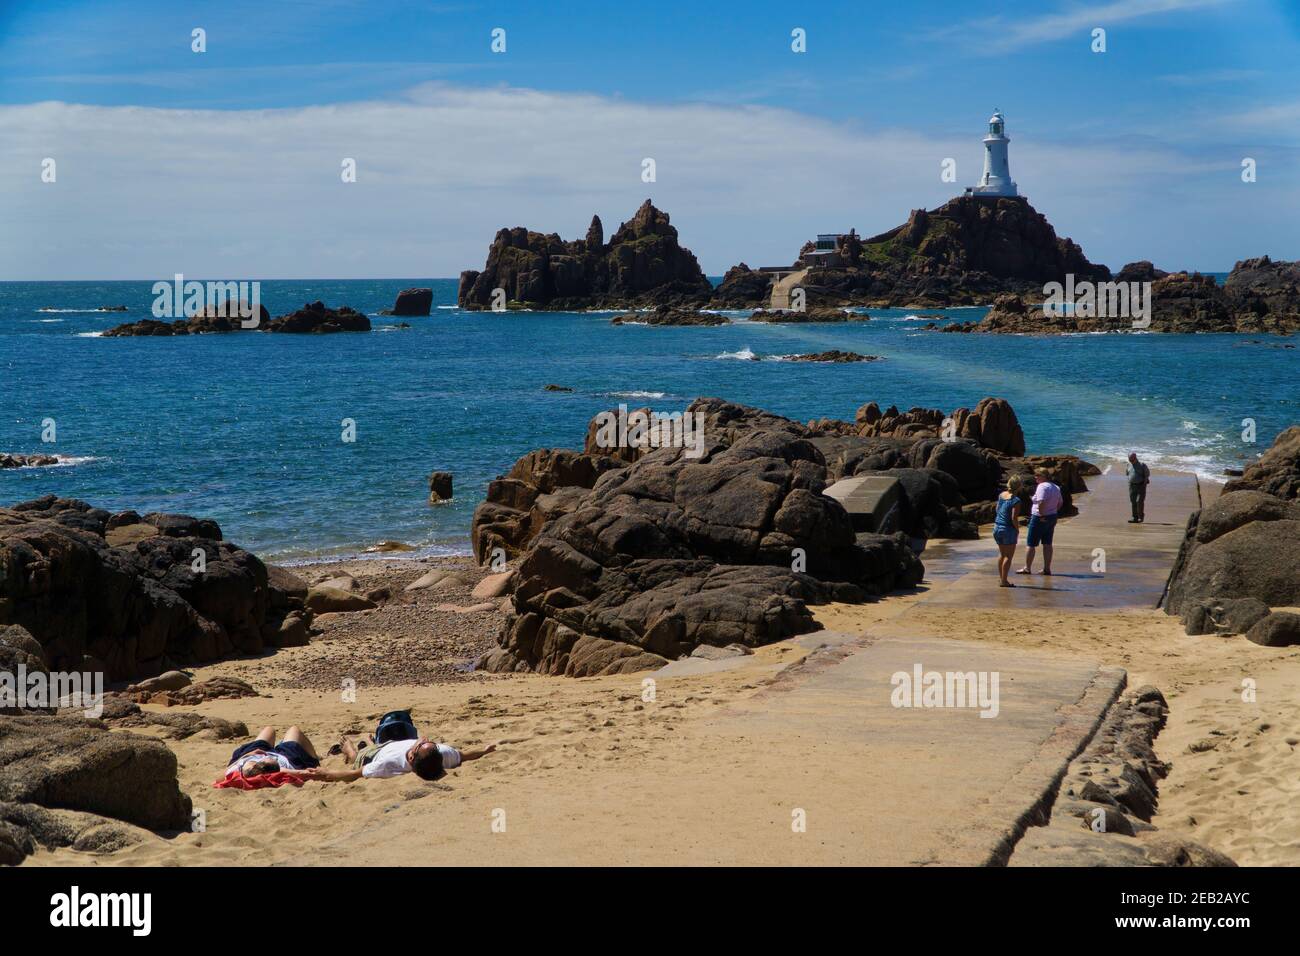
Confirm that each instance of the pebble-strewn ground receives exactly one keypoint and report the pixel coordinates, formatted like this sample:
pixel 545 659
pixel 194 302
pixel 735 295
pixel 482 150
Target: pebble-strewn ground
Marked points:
pixel 413 637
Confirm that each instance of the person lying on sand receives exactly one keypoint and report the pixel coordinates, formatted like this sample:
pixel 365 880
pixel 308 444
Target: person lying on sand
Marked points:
pixel 263 763
pixel 426 759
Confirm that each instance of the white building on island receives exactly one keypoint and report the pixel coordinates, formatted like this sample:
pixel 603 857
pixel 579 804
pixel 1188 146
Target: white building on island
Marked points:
pixel 996 180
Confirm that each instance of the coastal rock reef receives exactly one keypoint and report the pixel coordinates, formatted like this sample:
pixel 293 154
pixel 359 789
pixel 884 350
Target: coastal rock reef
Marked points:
pixel 633 556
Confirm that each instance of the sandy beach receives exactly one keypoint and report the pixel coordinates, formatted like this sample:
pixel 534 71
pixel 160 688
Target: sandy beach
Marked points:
pixel 580 770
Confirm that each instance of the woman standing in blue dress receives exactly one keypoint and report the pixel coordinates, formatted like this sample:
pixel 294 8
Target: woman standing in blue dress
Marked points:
pixel 1005 528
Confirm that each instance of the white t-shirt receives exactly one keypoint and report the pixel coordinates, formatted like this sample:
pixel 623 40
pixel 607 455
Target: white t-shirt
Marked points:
pixel 390 759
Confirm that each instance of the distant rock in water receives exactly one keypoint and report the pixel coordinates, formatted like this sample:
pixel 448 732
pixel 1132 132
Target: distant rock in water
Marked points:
pixel 209 320
pixel 642 264
pixel 413 302
pixel 26 461
pixel 314 317
pixel 834 355
pixel 556 388
pixel 1259 296
pixel 113 308
pixel 670 315
pixel 318 318
pixel 440 486
pixel 808 315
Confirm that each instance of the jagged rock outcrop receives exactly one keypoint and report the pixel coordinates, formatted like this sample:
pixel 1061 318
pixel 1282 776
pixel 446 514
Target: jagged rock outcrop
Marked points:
pixel 1265 295
pixel 132 593
pixel 1241 551
pixel 539 486
pixel 670 552
pixel 642 264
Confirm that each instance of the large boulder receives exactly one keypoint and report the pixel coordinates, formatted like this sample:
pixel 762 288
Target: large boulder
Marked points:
pixel 1257 560
pixel 993 425
pixel 413 302
pixel 1244 545
pixel 1277 472
pixel 78 764
pixel 177 595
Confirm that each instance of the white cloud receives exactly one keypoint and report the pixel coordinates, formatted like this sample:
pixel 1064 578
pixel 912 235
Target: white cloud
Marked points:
pixel 145 193
pixel 998 35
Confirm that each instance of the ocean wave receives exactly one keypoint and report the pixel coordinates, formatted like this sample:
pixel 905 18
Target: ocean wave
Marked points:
pixel 89 335
pixel 635 394
pixel 745 355
pixel 100 309
pixel 1181 457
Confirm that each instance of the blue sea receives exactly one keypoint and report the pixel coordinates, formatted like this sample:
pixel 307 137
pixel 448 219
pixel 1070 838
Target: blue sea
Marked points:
pixel 246 428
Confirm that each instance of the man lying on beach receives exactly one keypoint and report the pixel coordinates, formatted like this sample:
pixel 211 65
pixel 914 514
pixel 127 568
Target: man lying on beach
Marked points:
pixel 263 763
pixel 396 748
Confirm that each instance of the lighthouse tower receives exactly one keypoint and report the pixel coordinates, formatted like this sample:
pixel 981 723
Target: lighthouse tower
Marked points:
pixel 996 180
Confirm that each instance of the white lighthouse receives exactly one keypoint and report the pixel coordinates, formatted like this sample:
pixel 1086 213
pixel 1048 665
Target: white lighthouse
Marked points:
pixel 996 180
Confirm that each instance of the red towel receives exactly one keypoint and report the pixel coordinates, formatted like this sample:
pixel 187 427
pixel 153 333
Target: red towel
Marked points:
pixel 261 781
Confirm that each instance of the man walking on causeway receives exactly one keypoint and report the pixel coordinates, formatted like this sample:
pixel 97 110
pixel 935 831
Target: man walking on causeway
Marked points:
pixel 1139 476
pixel 1047 502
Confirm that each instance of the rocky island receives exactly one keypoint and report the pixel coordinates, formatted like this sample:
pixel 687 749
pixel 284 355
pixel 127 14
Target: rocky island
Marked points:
pixel 643 264
pixel 312 318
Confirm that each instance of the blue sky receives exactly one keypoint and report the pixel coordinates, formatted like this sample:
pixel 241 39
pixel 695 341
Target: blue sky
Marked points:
pixel 1135 152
